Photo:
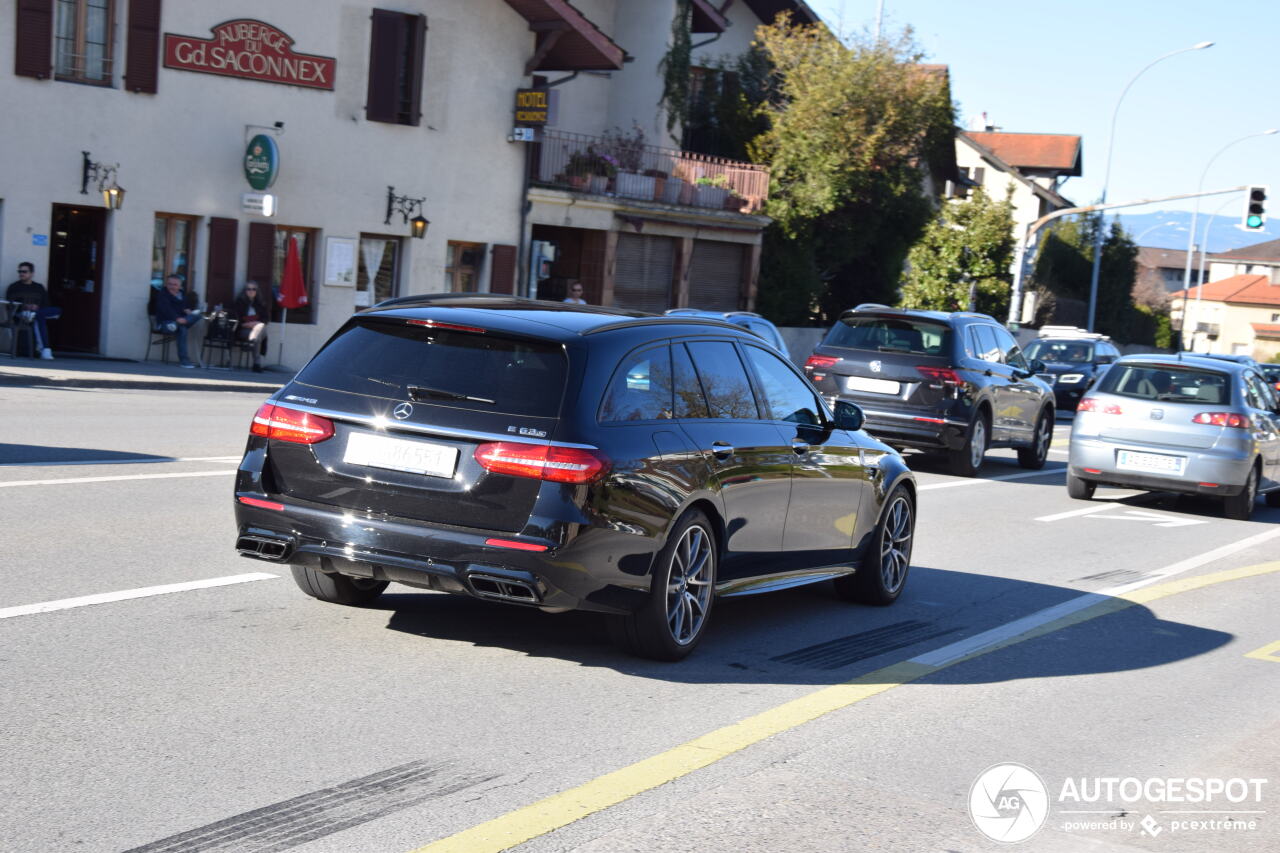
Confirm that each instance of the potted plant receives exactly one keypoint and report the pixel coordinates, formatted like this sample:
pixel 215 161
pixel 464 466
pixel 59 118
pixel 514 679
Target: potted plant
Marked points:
pixel 627 150
pixel 711 191
pixel 592 168
pixel 675 189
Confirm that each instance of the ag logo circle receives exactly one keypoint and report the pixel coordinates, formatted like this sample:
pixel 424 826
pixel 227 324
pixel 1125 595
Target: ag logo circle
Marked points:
pixel 1008 803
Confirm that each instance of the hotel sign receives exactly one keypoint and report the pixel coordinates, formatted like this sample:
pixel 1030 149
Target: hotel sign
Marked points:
pixel 251 50
pixel 536 107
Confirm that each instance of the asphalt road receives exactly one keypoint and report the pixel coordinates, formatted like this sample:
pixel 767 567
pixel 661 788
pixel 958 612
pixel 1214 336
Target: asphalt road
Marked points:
pixel 245 716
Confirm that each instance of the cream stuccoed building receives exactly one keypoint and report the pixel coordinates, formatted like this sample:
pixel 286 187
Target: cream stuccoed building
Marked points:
pixel 523 140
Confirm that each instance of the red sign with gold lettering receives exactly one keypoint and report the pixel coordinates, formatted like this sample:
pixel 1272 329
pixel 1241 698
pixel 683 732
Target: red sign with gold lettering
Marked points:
pixel 252 50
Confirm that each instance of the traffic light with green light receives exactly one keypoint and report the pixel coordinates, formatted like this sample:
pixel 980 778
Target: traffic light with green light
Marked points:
pixel 1255 213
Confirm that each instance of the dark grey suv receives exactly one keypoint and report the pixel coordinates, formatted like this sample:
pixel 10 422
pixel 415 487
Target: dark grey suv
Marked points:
pixel 934 381
pixel 568 457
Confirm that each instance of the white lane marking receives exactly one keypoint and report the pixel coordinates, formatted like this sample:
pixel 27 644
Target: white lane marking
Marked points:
pixel 995 636
pixel 125 595
pixel 114 479
pixel 1058 516
pixel 139 460
pixel 951 484
pixel 1150 517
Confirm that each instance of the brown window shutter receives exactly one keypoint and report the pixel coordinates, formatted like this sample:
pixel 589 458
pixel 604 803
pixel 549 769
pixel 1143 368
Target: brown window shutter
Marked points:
pixel 384 59
pixel 220 273
pixel 262 254
pixel 416 60
pixel 502 276
pixel 142 47
pixel 33 45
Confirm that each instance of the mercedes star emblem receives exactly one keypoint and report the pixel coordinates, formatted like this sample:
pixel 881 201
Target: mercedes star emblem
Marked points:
pixel 402 411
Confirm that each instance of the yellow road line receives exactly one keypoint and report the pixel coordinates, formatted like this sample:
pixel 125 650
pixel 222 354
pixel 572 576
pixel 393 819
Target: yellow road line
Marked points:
pixel 562 809
pixel 1271 652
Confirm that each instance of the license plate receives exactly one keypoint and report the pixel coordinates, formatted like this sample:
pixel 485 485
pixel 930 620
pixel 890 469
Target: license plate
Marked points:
pixel 875 386
pixel 1154 463
pixel 397 454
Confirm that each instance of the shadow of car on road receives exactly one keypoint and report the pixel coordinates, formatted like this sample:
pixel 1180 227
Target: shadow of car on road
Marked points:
pixel 810 636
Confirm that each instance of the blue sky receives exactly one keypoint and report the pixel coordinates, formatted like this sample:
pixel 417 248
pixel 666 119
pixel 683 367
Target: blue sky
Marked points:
pixel 1048 66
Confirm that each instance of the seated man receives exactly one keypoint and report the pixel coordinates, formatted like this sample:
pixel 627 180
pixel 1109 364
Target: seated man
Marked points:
pixel 173 316
pixel 31 302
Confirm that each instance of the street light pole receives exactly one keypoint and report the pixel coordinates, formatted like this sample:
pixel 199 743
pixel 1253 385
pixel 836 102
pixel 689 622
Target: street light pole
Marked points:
pixel 1106 180
pixel 1204 250
pixel 1147 231
pixel 1195 213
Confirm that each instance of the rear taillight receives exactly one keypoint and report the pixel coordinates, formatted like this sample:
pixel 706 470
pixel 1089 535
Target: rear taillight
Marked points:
pixel 945 375
pixel 1226 419
pixel 557 464
pixel 821 362
pixel 283 424
pixel 1089 404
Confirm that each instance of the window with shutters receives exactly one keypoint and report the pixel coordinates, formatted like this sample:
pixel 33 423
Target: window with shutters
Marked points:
pixel 83 31
pixel 306 244
pixel 171 248
pixel 396 48
pixel 462 270
pixel 377 269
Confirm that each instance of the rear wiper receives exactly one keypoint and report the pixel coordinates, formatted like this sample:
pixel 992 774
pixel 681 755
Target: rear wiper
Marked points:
pixel 421 392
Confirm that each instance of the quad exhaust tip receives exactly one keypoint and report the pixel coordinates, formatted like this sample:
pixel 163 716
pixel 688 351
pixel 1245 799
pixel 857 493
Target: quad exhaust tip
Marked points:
pixel 263 547
pixel 503 589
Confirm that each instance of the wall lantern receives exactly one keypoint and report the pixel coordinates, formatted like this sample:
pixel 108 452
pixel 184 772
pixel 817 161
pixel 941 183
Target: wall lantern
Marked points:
pixel 105 175
pixel 404 205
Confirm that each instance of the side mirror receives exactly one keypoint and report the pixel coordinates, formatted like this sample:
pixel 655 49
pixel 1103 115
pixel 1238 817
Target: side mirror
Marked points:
pixel 1106 359
pixel 849 416
pixel 1038 366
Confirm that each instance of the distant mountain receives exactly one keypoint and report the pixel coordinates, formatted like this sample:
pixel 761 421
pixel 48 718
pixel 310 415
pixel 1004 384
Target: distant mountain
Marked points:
pixel 1225 234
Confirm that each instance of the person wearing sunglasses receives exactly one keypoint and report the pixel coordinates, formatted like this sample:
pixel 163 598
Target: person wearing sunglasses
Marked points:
pixel 253 311
pixel 31 302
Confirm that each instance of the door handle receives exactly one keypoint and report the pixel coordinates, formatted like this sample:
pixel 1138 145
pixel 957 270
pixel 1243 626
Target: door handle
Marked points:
pixel 800 447
pixel 721 449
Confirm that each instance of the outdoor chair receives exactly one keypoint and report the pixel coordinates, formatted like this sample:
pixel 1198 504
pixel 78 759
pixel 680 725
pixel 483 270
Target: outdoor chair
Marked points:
pixel 15 328
pixel 220 336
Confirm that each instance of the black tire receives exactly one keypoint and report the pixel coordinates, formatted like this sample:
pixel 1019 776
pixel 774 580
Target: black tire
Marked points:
pixel 1240 506
pixel 1273 498
pixel 1034 457
pixel 1081 490
pixel 966 461
pixel 883 572
pixel 337 589
pixel 674 620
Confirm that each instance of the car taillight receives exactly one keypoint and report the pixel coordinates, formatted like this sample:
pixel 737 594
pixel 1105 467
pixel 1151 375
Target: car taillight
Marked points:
pixel 1090 404
pixel 283 424
pixel 1226 419
pixel 821 362
pixel 557 464
pixel 945 375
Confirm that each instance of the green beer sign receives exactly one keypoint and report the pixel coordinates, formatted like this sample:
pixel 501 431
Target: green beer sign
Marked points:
pixel 261 162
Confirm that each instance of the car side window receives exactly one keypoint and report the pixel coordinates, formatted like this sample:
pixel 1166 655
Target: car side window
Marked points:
pixel 640 389
pixel 984 343
pixel 690 402
pixel 1010 353
pixel 724 379
pixel 786 396
pixel 1257 394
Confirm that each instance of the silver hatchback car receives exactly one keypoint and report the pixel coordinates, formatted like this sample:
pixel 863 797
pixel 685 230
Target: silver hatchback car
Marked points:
pixel 1185 424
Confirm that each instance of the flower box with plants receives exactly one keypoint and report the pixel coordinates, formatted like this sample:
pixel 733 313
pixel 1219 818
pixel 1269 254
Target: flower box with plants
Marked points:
pixel 711 191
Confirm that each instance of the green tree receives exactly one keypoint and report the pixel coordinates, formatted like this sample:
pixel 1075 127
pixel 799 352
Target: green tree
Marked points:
pixel 968 242
pixel 849 125
pixel 1064 264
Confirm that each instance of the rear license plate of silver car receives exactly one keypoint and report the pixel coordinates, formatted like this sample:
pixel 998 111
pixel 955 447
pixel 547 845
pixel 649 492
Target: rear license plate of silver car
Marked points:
pixel 1151 463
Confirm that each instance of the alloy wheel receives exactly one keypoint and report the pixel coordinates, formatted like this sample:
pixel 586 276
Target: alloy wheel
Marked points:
pixel 978 443
pixel 895 544
pixel 1044 438
pixel 689 585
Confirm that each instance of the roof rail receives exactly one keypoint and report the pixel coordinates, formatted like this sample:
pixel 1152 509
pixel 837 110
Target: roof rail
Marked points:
pixel 664 320
pixel 1071 332
pixel 419 298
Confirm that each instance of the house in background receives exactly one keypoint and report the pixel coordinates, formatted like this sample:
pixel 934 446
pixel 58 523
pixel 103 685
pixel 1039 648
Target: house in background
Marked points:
pixel 1258 259
pixel 1238 315
pixel 1160 273
pixel 1034 165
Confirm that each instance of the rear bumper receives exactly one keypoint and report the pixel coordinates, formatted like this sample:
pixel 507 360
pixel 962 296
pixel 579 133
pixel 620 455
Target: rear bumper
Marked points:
pixel 450 559
pixel 920 430
pixel 1207 472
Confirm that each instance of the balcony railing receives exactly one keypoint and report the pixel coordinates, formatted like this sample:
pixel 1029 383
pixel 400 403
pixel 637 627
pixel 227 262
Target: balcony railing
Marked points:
pixel 625 169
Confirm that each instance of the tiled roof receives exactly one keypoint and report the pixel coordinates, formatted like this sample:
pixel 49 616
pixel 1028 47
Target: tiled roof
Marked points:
pixel 1239 289
pixel 1034 150
pixel 1266 330
pixel 1151 257
pixel 566 39
pixel 1268 251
